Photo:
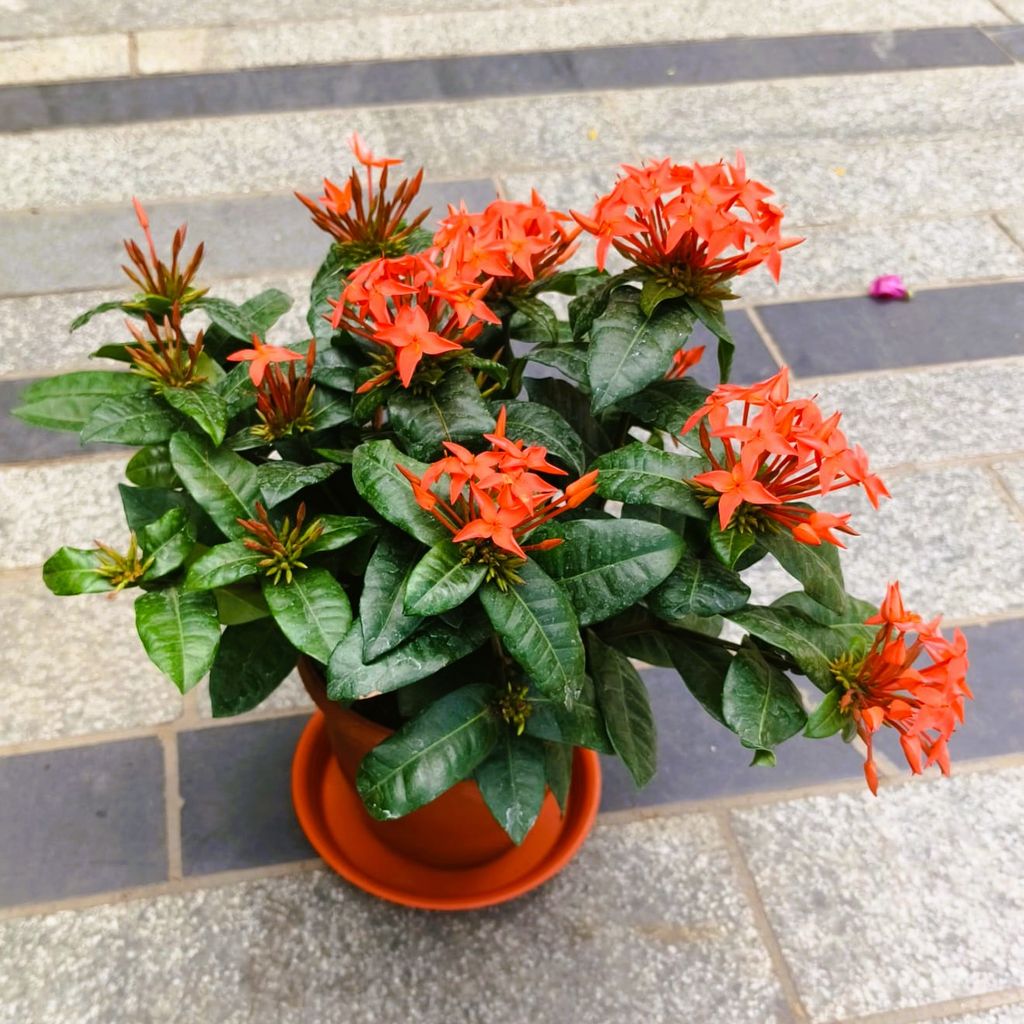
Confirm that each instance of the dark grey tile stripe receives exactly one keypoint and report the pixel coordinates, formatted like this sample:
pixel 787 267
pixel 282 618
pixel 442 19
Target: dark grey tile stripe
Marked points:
pixel 122 101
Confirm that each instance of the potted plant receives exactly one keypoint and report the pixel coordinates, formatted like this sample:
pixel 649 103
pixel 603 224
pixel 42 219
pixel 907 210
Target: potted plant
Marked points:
pixel 464 516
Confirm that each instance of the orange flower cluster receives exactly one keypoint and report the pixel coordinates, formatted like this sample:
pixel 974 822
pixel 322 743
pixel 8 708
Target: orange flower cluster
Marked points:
pixel 411 307
pixel 370 216
pixel 785 452
pixel 681 221
pixel 514 243
pixel 498 495
pixel 924 705
pixel 283 401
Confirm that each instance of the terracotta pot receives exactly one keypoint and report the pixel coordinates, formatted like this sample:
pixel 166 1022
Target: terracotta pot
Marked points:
pixel 450 854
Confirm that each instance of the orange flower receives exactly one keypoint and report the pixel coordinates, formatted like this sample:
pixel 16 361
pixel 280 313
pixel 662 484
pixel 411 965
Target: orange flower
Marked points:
pixel 924 705
pixel 678 220
pixel 412 338
pixel 785 452
pixel 682 360
pixel 260 356
pixel 497 495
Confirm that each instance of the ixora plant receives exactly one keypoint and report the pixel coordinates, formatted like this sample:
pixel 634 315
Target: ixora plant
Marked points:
pixel 473 514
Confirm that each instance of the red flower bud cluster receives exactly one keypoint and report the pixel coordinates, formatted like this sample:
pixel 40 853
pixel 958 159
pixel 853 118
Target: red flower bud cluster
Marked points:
pixel 776 452
pixel 674 217
pixel 154 277
pixel 498 495
pixel 924 705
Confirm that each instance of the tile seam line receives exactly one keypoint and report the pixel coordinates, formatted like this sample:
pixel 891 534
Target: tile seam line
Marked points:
pixel 931 1012
pixel 997 219
pixel 1004 490
pixel 479 100
pixel 172 803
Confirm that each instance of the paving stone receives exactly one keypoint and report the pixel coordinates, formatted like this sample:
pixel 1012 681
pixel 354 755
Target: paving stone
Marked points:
pixel 1013 476
pixel 1013 8
pixel 1001 1015
pixel 46 505
pixel 236 796
pixel 93 677
pixel 909 898
pixel 926 538
pixel 46 60
pixel 243 236
pixel 699 759
pixel 937 326
pixel 648 923
pixel 1010 38
pixel 81 820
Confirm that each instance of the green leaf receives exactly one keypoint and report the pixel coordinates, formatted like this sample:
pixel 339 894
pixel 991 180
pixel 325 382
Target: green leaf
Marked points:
pixel 570 360
pixel 582 725
pixel 628 349
pixel 180 633
pixel 236 390
pixel 144 505
pixel 441 580
pixel 313 611
pixel 667 405
pixel 224 484
pixel 326 285
pixel 655 292
pixel 135 419
pixel 231 319
pixel 815 566
pixel 854 611
pixel 435 646
pixel 536 424
pixel 151 467
pixel 335 368
pixel 452 411
pixel 382 604
pixel 826 719
pixel 513 783
pixel 74 571
pixel 223 565
pixel 572 282
pixel 329 409
pixel 704 667
pixel 251 662
pixel 709 312
pixel 377 479
pixel 534 319
pixel 558 771
pixel 439 747
pixel 622 697
pixel 641 474
pixel 760 704
pixel 204 406
pixel 338 532
pixel 540 630
pixel 83 318
pixel 279 480
pixel 265 309
pixel 607 565
pixel 168 541
pixel 728 545
pixel 698 586
pixel 240 603
pixel 574 407
pixel 68 401
pixel 488 367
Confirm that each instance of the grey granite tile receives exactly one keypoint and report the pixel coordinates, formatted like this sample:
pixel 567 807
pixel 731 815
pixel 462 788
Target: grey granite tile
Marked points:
pixel 1000 1015
pixel 243 236
pixel 935 538
pixel 699 759
pixel 1010 38
pixel 94 678
pixel 936 326
pixel 235 783
pixel 648 923
pixel 81 820
pixel 1012 474
pixel 909 898
pixel 66 57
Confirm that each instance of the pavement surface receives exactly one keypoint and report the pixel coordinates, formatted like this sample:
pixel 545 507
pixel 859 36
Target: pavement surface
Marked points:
pixel 150 866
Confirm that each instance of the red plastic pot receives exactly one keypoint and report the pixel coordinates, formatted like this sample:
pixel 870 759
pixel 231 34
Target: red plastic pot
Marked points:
pixel 449 855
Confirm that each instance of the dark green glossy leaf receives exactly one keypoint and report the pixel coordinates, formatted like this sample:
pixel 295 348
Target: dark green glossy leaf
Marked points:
pixel 655 292
pixel 435 646
pixel 338 531
pixel 513 783
pixel 233 320
pixel 265 309
pixel 608 565
pixel 728 545
pixel 854 611
pixel 180 633
pixel 222 565
pixel 312 610
pixel 558 771
pixel 539 628
pixel 709 312
pixel 667 405
pixel 203 406
pixel 698 586
pixel 251 662
pixel 151 467
pixel 826 719
pixel 815 566
pixel 144 505
pixel 427 756
pixel 382 604
pixel 135 419
pixel 224 484
pixel 74 571
pixel 279 480
pixel 452 411
pixel 67 402
pixel 760 703
pixel 641 474
pixel 574 407
pixel 582 725
pixel 536 424
pixel 572 282
pixel 570 360
pixel 628 349
pixel 329 409
pixel 441 580
pixel 236 390
pixel 335 368
pixel 704 667
pixel 488 367
pixel 168 541
pixel 83 318
pixel 534 319
pixel 326 285
pixel 240 603
pixel 623 699
pixel 376 477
